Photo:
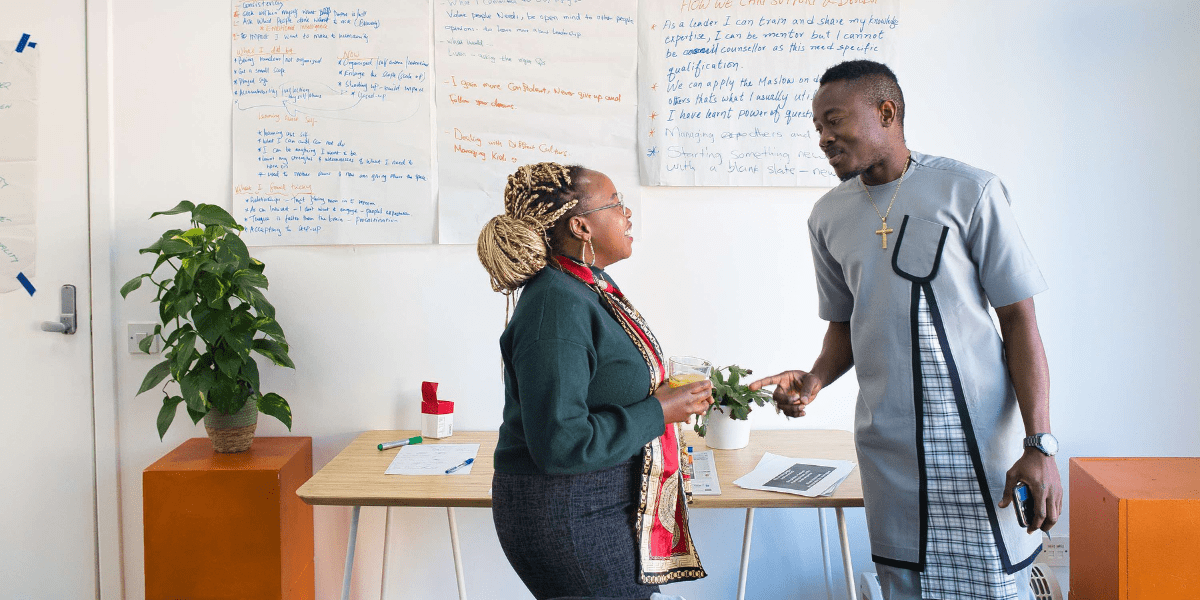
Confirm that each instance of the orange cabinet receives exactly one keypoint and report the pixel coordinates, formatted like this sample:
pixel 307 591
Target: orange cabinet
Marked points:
pixel 1135 528
pixel 230 526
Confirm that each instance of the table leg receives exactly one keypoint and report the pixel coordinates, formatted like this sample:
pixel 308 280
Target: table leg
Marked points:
pixel 841 518
pixel 741 591
pixel 349 570
pixel 387 526
pixel 825 554
pixel 458 567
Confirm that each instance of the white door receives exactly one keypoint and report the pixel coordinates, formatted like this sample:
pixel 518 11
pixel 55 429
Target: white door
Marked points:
pixel 47 506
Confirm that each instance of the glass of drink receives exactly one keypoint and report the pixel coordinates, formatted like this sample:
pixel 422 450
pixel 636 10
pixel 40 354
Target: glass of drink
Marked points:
pixel 687 369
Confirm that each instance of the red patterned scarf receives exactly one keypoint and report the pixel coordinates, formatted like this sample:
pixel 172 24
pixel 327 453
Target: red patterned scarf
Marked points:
pixel 664 541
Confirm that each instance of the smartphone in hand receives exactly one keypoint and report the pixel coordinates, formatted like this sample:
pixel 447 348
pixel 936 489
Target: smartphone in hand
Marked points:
pixel 1022 505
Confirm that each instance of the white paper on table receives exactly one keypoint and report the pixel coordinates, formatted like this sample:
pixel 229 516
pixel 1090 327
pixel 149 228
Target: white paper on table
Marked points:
pixel 18 102
pixel 704 474
pixel 332 122
pixel 811 477
pixel 18 227
pixel 725 90
pixel 432 459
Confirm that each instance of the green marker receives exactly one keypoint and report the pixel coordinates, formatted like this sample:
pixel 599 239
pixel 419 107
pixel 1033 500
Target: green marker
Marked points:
pixel 416 439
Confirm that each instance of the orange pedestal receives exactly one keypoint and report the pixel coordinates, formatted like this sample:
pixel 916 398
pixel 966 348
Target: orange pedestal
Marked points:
pixel 1135 528
pixel 229 526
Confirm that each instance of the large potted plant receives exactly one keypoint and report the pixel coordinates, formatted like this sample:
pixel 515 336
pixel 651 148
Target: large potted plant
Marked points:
pixel 214 319
pixel 725 426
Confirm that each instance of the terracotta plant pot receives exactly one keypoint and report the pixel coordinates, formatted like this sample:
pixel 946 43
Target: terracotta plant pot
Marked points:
pixel 725 433
pixel 232 433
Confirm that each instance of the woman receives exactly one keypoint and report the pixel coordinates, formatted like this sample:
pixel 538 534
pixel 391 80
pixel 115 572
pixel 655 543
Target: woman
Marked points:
pixel 587 497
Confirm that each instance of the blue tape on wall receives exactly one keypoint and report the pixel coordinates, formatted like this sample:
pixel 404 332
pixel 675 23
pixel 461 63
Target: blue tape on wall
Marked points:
pixel 22 45
pixel 25 282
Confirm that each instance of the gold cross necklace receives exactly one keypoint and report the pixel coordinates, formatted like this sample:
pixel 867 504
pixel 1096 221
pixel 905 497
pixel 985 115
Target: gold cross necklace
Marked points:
pixel 884 230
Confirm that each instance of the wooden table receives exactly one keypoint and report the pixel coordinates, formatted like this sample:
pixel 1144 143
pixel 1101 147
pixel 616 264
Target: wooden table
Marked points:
pixel 355 477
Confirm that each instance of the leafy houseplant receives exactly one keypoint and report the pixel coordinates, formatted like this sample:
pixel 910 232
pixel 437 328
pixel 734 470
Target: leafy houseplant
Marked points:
pixel 729 393
pixel 214 317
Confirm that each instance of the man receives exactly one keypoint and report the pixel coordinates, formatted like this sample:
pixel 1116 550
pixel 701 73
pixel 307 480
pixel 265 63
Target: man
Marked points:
pixel 943 397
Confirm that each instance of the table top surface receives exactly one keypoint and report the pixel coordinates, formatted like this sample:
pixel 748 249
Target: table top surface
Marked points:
pixel 355 477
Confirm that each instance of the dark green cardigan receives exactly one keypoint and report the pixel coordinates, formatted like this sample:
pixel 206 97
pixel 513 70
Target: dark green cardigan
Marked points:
pixel 575 386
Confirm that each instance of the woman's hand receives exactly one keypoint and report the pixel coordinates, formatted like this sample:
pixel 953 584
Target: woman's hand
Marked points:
pixel 680 403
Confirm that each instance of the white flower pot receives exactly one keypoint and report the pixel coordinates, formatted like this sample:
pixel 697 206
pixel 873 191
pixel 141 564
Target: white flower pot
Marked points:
pixel 725 433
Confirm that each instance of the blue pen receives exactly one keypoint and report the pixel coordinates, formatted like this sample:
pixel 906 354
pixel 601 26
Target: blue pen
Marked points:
pixel 459 465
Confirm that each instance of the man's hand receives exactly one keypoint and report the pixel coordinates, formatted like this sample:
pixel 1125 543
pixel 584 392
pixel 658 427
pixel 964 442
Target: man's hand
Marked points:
pixel 793 390
pixel 1040 473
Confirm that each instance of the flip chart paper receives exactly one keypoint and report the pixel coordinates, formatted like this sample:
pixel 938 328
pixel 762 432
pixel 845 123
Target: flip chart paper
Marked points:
pixel 726 87
pixel 523 82
pixel 331 122
pixel 18 166
pixel 18 102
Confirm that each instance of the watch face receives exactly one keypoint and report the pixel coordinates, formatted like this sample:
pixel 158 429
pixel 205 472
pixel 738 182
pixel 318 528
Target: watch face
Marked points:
pixel 1048 443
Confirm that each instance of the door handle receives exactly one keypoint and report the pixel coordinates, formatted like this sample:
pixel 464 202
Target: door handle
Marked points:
pixel 66 320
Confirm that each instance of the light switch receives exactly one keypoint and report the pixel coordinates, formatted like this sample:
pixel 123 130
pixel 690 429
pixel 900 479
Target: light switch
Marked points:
pixel 138 332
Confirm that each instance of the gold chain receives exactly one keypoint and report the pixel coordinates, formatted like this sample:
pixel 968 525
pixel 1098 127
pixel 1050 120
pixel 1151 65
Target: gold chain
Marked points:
pixel 883 231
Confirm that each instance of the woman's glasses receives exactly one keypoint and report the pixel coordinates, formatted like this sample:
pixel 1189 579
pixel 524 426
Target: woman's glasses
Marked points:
pixel 620 202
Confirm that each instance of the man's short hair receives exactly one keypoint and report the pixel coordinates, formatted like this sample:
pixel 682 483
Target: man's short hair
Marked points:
pixel 877 80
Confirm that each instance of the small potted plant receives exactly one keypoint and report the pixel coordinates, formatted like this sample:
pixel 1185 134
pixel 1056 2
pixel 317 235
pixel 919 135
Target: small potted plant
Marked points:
pixel 725 425
pixel 214 318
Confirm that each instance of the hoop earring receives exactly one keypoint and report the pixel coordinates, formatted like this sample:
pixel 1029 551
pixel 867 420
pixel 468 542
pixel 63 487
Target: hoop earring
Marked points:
pixel 593 249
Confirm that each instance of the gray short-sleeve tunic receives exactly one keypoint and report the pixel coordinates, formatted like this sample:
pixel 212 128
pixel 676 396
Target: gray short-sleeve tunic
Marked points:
pixel 956 239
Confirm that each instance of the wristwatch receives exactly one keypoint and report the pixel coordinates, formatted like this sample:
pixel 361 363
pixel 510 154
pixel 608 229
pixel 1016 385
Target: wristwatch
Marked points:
pixel 1044 442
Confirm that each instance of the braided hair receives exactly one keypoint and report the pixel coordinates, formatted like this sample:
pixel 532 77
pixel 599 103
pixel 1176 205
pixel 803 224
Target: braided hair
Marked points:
pixel 515 246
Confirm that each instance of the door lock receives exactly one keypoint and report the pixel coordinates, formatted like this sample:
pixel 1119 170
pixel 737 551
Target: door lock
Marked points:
pixel 66 320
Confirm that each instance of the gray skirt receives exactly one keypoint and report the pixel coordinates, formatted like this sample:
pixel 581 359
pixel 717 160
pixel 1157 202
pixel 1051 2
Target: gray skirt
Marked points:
pixel 572 535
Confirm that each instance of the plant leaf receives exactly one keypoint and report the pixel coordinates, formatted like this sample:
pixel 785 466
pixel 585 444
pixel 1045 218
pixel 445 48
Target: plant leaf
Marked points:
pixel 154 248
pixel 717 377
pixel 176 246
pixel 174 335
pixel 211 214
pixel 195 386
pixel 195 415
pixel 185 305
pixel 133 284
pixel 157 373
pixel 227 361
pixel 193 264
pixel 181 355
pixel 211 324
pixel 270 327
pixel 739 412
pixel 249 373
pixel 182 207
pixel 259 302
pixel 273 404
pixel 275 351
pixel 166 414
pixel 237 248
pixel 247 278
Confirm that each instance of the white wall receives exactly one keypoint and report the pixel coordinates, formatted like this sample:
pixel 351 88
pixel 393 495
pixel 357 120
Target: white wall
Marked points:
pixel 1086 110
